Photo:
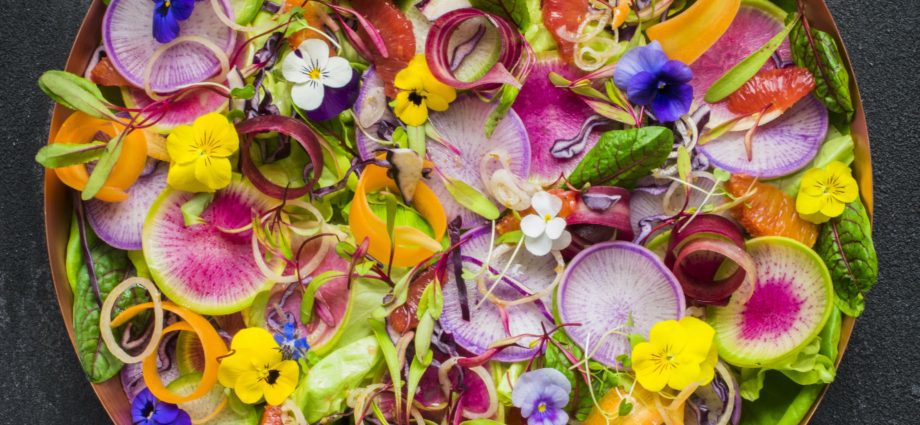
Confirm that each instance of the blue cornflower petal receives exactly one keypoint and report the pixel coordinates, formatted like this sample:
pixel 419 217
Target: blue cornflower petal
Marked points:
pixel 301 344
pixel 672 102
pixel 182 9
pixel 643 88
pixel 165 26
pixel 675 72
pixel 648 58
pixel 289 330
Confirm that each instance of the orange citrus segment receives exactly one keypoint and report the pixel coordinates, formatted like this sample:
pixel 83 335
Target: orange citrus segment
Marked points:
pixel 313 14
pixel 564 16
pixel 644 411
pixel 769 211
pixel 776 89
pixel 688 35
pixel 398 36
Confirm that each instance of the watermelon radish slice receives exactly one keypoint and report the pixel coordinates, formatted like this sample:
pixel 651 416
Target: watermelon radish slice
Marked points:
pixel 201 267
pixel 485 325
pixel 549 114
pixel 127 32
pixel 792 300
pixel 607 284
pixel 780 148
pixel 119 224
pixel 184 111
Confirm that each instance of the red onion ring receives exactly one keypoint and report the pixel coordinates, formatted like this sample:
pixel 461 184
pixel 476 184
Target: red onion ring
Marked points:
pixel 289 127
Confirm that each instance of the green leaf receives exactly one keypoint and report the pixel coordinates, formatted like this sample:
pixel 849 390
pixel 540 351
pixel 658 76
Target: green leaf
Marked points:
pixel 471 198
pixel 825 63
pixel 622 157
pixel 785 403
pixel 58 155
pixel 245 92
pixel 192 209
pixel 845 244
pixel 417 140
pixel 325 388
pixel 808 367
pixel 734 78
pixel 518 11
pixel 513 236
pixel 683 163
pixel 75 92
pixel 423 334
pixel 506 98
pixel 625 408
pixel 103 167
pixel 416 370
pixel 721 175
pixel 390 356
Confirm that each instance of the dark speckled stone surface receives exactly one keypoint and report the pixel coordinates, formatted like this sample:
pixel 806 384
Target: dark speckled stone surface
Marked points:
pixel 878 383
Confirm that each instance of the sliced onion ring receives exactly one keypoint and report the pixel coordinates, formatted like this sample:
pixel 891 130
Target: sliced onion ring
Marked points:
pixel 106 325
pixel 289 127
pixel 485 376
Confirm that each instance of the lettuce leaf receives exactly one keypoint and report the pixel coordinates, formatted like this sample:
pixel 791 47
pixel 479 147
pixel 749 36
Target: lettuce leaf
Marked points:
pixel 324 388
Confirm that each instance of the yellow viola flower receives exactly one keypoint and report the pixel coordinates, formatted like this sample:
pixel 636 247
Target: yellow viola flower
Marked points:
pixel 199 154
pixel 420 91
pixel 677 354
pixel 257 368
pixel 825 192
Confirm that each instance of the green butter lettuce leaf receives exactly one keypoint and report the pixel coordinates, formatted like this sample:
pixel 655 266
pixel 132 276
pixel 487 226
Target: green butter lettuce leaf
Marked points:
pixel 845 244
pixel 809 367
pixel 622 157
pixel 322 392
pixel 526 14
pixel 824 61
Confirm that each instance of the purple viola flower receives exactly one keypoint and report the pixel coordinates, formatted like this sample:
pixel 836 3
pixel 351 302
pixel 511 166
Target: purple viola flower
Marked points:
pixel 166 17
pixel 147 410
pixel 651 79
pixel 323 85
pixel 292 345
pixel 542 396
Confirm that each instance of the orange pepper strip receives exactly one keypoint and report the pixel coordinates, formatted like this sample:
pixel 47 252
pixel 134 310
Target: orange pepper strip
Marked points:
pixel 620 13
pixel 80 128
pixel 412 245
pixel 213 345
pixel 687 36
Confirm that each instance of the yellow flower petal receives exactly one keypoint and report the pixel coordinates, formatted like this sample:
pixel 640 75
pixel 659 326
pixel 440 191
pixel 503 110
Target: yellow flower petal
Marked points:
pixel 806 204
pixel 214 173
pixel 231 368
pixel 832 208
pixel 699 338
pixel 435 87
pixel 253 337
pixel 436 102
pixel 653 381
pixel 284 385
pixel 684 374
pixel 813 182
pixel 412 114
pixel 839 169
pixel 182 177
pixel 408 79
pixel 707 368
pixel 180 144
pixel 668 333
pixel 249 387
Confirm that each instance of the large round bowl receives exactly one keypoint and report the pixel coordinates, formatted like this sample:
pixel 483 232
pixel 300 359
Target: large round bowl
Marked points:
pixel 58 203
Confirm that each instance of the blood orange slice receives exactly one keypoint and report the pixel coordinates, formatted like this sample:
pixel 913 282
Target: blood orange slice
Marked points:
pixel 775 89
pixel 769 211
pixel 564 17
pixel 396 30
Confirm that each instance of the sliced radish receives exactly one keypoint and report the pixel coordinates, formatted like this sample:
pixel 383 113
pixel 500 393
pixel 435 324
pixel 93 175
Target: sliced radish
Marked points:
pixel 606 285
pixel 184 111
pixel 526 276
pixel 645 204
pixel 793 298
pixel 127 32
pixel 780 148
pixel 201 267
pixel 119 224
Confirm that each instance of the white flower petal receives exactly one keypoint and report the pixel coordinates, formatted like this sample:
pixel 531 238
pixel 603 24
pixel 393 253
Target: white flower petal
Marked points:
pixel 539 246
pixel 555 227
pixel 533 226
pixel 563 241
pixel 294 68
pixel 337 72
pixel 545 203
pixel 315 50
pixel 308 96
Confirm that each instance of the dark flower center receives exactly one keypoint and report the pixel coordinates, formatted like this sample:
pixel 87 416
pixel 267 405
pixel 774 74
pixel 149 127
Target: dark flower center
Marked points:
pixel 273 376
pixel 416 98
pixel 148 410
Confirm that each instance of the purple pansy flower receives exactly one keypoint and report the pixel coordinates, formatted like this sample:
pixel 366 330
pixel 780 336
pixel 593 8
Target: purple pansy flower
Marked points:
pixel 651 79
pixel 324 86
pixel 166 17
pixel 147 410
pixel 542 395
pixel 292 346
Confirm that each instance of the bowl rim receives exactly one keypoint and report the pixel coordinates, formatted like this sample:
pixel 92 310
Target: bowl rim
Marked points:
pixel 58 201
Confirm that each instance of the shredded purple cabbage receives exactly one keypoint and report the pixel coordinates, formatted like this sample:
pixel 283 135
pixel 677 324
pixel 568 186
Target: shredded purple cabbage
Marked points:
pixel 569 148
pixel 456 258
pixel 271 7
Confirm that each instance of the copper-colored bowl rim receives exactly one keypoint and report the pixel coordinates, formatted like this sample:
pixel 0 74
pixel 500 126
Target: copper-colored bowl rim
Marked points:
pixel 58 203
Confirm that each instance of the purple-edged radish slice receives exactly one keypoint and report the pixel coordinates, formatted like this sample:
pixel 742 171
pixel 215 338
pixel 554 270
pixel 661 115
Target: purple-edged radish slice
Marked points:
pixel 606 285
pixel 119 224
pixel 793 298
pixel 127 32
pixel 552 114
pixel 528 274
pixel 780 148
pixel 183 111
pixel 202 267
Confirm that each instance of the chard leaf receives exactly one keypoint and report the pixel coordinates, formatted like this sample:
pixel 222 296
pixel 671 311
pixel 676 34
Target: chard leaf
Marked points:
pixel 75 92
pixel 471 198
pixel 845 244
pixel 58 155
pixel 823 60
pixel 622 157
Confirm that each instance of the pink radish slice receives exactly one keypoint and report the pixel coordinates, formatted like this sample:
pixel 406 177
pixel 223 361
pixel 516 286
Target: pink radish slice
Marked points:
pixel 127 32
pixel 202 267
pixel 184 111
pixel 780 148
pixel 549 114
pixel 485 325
pixel 119 224
pixel 607 284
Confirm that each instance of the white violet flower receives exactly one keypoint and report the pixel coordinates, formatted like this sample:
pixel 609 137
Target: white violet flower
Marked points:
pixel 311 69
pixel 543 231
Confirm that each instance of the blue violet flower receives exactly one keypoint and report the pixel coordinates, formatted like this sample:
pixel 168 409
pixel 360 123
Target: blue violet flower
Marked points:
pixel 542 395
pixel 650 79
pixel 147 410
pixel 166 17
pixel 292 346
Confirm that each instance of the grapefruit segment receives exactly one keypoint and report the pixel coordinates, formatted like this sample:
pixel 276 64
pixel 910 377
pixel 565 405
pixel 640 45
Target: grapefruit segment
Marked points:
pixel 398 37
pixel 774 89
pixel 769 211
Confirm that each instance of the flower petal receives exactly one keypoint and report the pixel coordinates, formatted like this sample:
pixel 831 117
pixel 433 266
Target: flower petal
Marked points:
pixel 813 182
pixel 315 51
pixel 408 80
pixel 182 9
pixel 248 387
pixel 555 227
pixel 533 226
pixel 643 88
pixel 545 203
pixel 294 68
pixel 806 204
pixel 409 112
pixel 309 95
pixel 165 27
pixel 182 177
pixel 436 103
pixel 700 337
pixel 253 338
pixel 538 246
pixel 180 144
pixel 648 58
pixel 563 241
pixel 684 375
pixel 675 72
pixel 672 102
pixel 832 208
pixel 336 100
pixel 337 72
pixel 215 173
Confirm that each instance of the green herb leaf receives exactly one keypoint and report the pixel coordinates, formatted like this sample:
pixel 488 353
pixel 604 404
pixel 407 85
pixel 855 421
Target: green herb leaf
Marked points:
pixel 625 408
pixel 845 244
pixel 75 92
pixel 734 78
pixel 518 11
pixel 423 334
pixel 513 236
pixel 58 155
pixel 471 198
pixel 192 209
pixel 622 157
pixel 245 92
pixel 103 167
pixel 683 163
pixel 389 356
pixel 417 140
pixel 824 61
pixel 506 98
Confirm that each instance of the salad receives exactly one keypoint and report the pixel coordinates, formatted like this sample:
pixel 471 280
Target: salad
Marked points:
pixel 461 211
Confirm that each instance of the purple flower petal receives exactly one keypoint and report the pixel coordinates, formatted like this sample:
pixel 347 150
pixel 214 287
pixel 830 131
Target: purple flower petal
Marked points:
pixel 675 72
pixel 672 102
pixel 182 9
pixel 184 419
pixel 165 413
pixel 165 26
pixel 648 58
pixel 642 88
pixel 336 100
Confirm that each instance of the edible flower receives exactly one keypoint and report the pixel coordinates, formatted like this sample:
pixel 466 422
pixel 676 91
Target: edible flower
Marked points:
pixel 323 86
pixel 166 17
pixel 147 410
pixel 544 231
pixel 257 368
pixel 542 395
pixel 292 347
pixel 200 153
pixel 651 79
pixel 420 91
pixel 825 192
pixel 677 354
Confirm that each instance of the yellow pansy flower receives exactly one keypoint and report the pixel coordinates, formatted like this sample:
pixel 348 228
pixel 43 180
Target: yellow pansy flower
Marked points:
pixel 677 354
pixel 825 192
pixel 199 154
pixel 420 91
pixel 257 368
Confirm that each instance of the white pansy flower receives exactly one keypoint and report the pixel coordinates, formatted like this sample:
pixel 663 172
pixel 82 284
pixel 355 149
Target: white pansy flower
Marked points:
pixel 311 69
pixel 543 231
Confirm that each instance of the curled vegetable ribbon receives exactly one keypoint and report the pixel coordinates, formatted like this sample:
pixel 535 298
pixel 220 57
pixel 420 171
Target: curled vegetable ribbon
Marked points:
pixel 80 128
pixel 411 246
